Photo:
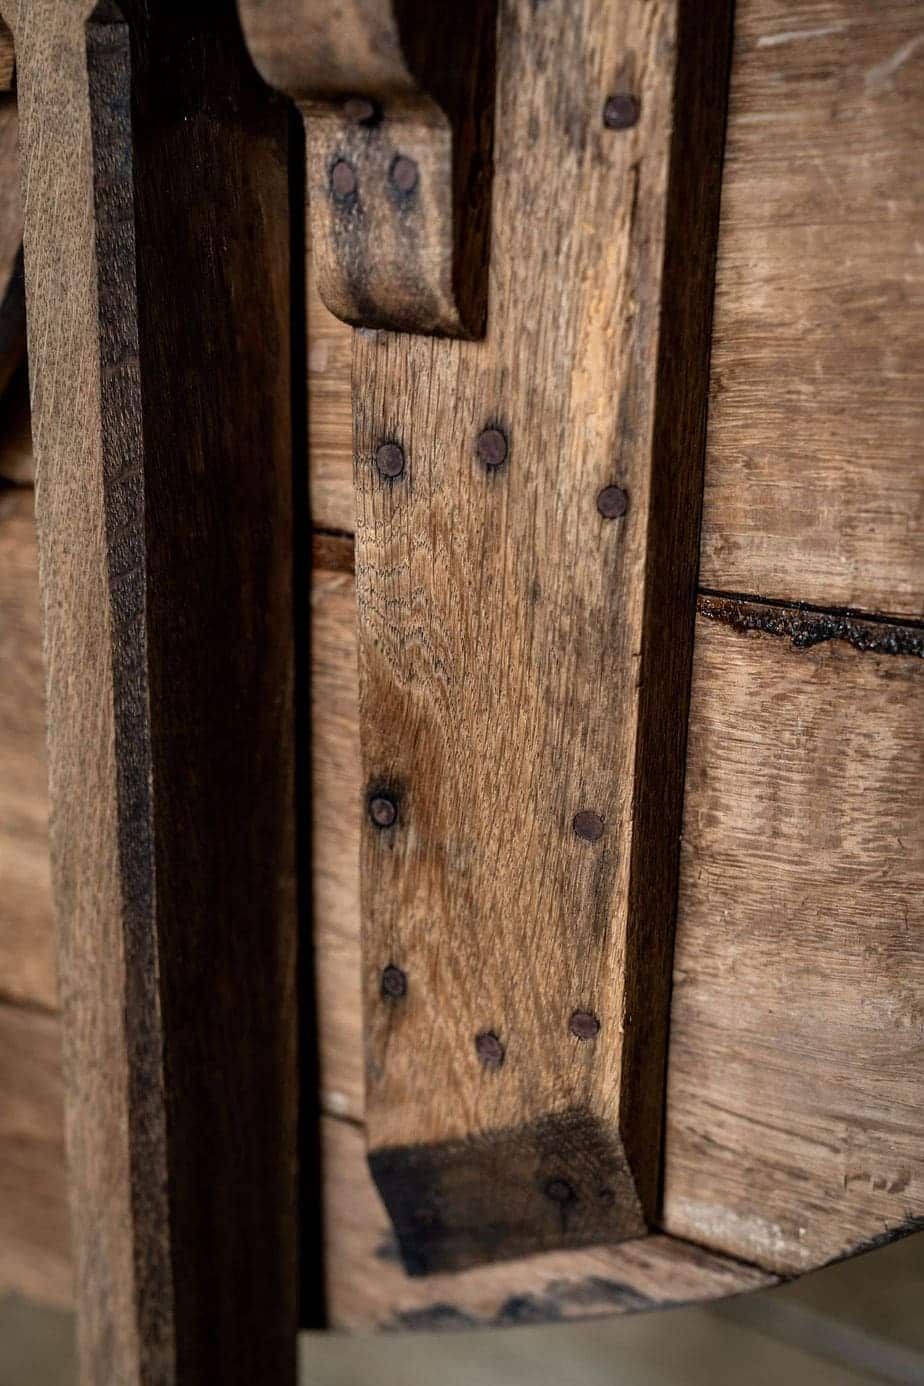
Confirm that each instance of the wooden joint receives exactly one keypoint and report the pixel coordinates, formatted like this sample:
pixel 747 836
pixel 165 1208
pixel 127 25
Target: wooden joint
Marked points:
pixel 397 97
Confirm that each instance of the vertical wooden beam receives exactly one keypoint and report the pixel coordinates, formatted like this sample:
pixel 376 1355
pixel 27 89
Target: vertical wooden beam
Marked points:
pixel 526 547
pixel 157 270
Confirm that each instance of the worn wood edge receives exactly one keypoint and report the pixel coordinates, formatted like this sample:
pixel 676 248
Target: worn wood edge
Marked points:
pixel 383 89
pixel 369 1290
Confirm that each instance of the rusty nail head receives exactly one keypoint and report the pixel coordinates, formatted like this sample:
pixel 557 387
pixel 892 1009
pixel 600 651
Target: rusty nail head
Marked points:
pixel 492 447
pixel 383 811
pixel 621 111
pixel 489 1049
pixel 584 1026
pixel 559 1191
pixel 343 179
pixel 389 459
pixel 588 825
pixel 404 174
pixel 612 502
pixel 360 109
pixel 393 983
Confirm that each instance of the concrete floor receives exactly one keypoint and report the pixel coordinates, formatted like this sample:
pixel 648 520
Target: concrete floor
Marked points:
pixel 859 1322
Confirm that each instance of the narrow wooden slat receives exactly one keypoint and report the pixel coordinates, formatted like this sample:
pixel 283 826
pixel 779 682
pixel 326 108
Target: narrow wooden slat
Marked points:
pixel 157 268
pixel 35 1255
pixel 815 469
pixel 525 593
pixel 27 964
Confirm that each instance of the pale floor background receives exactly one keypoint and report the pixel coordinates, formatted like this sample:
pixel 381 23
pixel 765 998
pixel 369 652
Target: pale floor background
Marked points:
pixel 862 1321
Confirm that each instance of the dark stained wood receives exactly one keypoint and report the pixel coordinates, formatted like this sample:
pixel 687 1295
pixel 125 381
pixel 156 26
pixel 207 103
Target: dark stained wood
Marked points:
pixel 157 269
pixel 398 100
pixel 524 662
pixel 815 464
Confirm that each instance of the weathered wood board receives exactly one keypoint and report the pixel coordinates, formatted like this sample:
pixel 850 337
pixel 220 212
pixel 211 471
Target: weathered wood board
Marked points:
pixel 35 1257
pixel 795 1082
pixel 157 245
pixel 794 1074
pixel 27 958
pixel 794 1079
pixel 814 469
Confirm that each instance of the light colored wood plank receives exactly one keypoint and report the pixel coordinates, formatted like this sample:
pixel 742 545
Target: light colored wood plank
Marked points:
pixel 35 1256
pixel 367 1286
pixel 330 414
pixel 815 468
pixel 795 1089
pixel 525 576
pixel 151 263
pixel 27 961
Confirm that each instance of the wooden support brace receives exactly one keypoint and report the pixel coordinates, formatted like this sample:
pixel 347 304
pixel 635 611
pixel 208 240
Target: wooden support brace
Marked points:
pixel 157 268
pixel 526 545
pixel 397 97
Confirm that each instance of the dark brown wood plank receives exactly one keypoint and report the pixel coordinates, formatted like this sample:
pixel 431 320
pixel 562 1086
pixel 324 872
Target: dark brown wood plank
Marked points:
pixel 157 267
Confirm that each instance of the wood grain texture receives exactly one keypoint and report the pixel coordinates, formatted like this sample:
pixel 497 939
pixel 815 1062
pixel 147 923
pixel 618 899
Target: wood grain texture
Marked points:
pixel 398 100
pixel 35 1255
pixel 814 471
pixel 157 254
pixel 367 1287
pixel 813 482
pixel 330 413
pixel 793 1129
pixel 27 961
pixel 795 1088
pixel 524 661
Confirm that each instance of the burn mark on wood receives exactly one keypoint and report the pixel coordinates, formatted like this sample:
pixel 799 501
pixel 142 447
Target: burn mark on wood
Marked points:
pixel 508 1193
pixel 805 625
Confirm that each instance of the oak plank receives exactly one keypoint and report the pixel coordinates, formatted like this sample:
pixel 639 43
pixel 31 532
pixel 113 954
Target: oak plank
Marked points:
pixel 35 1252
pixel 27 956
pixel 795 1082
pixel 157 253
pixel 815 468
pixel 525 578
